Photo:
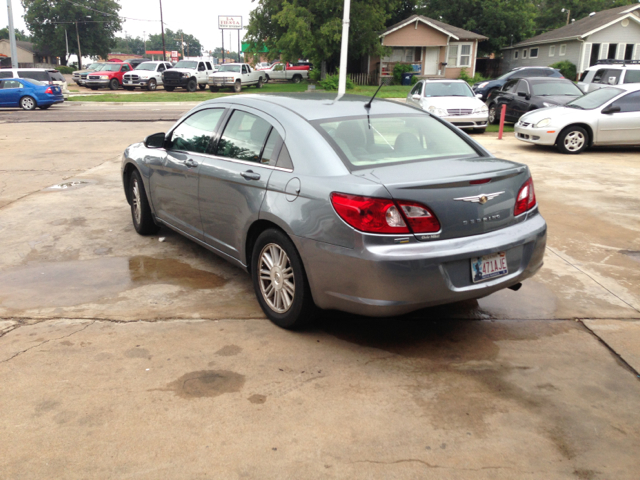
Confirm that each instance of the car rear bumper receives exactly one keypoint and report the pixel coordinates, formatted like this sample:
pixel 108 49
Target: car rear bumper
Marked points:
pixel 538 136
pixel 382 280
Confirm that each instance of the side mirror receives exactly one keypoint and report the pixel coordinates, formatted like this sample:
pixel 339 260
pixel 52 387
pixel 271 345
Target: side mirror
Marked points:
pixel 479 95
pixel 522 94
pixel 416 96
pixel 611 109
pixel 154 141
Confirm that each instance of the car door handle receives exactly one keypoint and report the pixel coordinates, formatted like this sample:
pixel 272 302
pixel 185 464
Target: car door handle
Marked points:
pixel 190 163
pixel 250 175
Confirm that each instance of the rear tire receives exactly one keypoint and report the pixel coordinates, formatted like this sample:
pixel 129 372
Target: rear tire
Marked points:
pixel 280 282
pixel 192 85
pixel 296 78
pixel 572 140
pixel 28 103
pixel 266 78
pixel 140 210
pixel 259 84
pixel 169 89
pixel 237 87
pixel 114 84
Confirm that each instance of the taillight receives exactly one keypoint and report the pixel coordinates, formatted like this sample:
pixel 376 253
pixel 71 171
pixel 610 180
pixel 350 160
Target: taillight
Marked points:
pixel 526 198
pixel 48 90
pixel 382 215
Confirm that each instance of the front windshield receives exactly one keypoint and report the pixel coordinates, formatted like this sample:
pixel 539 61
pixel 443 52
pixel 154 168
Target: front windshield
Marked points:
pixel 230 68
pixel 94 66
pixel 147 66
pixel 386 140
pixel 186 64
pixel 555 88
pixel 595 99
pixel 111 68
pixel 447 89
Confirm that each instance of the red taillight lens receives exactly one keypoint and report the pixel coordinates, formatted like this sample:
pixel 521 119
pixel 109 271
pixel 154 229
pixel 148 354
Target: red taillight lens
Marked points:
pixel 526 198
pixel 382 215
pixel 48 90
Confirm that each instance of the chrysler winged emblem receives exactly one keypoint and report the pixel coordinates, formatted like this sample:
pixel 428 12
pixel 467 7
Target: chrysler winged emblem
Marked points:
pixel 481 199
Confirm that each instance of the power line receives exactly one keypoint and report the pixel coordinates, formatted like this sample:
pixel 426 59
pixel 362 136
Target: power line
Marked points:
pixel 110 14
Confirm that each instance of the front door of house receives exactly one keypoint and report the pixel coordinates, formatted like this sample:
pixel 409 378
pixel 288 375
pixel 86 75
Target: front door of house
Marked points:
pixel 431 57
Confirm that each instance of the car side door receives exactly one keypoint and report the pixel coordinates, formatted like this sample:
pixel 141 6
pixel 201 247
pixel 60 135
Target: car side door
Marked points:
pixel 159 69
pixel 278 72
pixel 11 92
pixel 506 96
pixel 621 127
pixel 174 178
pixel 233 181
pixel 246 75
pixel 4 94
pixel 520 103
pixel 201 75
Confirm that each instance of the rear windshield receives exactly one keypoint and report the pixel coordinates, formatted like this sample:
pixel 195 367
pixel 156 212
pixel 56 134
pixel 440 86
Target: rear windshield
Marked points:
pixel 34 82
pixel 555 88
pixel 384 140
pixel 595 99
pixel 57 77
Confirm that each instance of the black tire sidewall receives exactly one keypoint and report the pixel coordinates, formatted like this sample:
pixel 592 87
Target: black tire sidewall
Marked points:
pixel 567 131
pixel 237 86
pixel 301 311
pixel 146 226
pixel 113 83
pixel 192 85
pixel 496 119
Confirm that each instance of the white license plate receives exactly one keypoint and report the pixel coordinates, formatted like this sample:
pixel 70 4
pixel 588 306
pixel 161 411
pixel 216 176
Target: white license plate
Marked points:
pixel 489 266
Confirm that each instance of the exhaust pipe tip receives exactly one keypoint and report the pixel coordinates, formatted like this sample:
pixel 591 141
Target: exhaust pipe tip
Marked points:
pixel 515 287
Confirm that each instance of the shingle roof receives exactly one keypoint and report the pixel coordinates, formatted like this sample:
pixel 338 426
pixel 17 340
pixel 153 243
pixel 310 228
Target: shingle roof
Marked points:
pixel 580 27
pixel 454 31
pixel 31 47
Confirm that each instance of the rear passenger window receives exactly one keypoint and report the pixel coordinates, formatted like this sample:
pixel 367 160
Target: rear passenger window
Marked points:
pixel 208 66
pixel 243 137
pixel 195 133
pixel 510 85
pixel 272 148
pixel 632 76
pixel 284 159
pixel 628 103
pixel 5 75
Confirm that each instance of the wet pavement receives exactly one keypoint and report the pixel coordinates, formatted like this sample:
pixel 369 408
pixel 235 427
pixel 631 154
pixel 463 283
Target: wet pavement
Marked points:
pixel 125 356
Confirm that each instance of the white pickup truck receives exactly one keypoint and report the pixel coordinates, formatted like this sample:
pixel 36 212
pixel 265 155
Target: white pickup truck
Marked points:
pixel 281 71
pixel 146 75
pixel 189 74
pixel 236 76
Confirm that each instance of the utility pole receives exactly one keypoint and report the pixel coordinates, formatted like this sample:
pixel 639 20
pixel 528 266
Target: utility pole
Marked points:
pixel 342 80
pixel 568 14
pixel 79 51
pixel 181 43
pixel 144 38
pixel 12 37
pixel 223 45
pixel 164 49
pixel 238 45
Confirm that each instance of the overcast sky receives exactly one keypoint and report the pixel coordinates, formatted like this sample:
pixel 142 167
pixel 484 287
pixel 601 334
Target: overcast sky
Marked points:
pixel 196 17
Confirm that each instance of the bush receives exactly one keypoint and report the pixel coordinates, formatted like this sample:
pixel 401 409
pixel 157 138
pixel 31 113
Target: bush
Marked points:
pixel 470 80
pixel 331 82
pixel 567 69
pixel 414 79
pixel 398 70
pixel 314 75
pixel 65 70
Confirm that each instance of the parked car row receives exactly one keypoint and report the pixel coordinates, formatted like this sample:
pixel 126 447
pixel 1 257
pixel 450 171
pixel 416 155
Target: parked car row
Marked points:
pixel 29 94
pixel 45 75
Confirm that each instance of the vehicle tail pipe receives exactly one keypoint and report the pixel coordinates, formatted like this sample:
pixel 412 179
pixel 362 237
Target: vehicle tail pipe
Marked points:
pixel 516 287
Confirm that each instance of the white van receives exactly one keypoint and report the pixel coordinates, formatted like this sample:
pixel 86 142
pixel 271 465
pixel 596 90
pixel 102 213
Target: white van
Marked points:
pixel 45 75
pixel 609 72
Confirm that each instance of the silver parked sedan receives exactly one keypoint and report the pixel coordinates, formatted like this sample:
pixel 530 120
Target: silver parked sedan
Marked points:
pixel 376 209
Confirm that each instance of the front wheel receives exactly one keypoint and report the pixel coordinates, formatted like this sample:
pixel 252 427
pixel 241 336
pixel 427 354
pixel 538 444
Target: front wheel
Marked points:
pixel 494 115
pixel 140 210
pixel 237 87
pixel 280 282
pixel 114 84
pixel 192 85
pixel 152 85
pixel 573 140
pixel 28 103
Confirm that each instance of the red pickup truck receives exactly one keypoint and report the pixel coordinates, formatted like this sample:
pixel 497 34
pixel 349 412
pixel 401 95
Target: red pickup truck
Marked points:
pixel 108 75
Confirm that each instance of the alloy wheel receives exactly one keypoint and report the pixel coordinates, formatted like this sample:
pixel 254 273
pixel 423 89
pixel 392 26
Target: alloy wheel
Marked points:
pixel 574 141
pixel 277 282
pixel 28 103
pixel 137 211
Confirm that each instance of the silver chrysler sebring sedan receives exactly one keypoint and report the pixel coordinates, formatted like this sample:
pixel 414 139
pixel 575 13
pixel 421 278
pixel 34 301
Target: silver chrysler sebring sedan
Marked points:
pixel 370 207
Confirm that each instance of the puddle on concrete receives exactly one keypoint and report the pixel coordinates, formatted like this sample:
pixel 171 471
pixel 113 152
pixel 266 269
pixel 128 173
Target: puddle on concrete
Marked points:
pixel 229 351
pixel 67 185
pixel 634 254
pixel 70 283
pixel 206 383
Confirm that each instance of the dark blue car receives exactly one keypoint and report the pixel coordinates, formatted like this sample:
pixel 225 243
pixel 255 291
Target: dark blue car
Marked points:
pixel 485 88
pixel 28 94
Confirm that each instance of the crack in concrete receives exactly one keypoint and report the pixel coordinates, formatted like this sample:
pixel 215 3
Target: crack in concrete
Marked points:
pixel 613 352
pixel 46 341
pixel 417 460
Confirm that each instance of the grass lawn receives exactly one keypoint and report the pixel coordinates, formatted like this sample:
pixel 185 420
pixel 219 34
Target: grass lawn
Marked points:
pixel 393 91
pixel 495 128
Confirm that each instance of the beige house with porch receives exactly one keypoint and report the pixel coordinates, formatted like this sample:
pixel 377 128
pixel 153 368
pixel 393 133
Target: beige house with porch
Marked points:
pixel 434 49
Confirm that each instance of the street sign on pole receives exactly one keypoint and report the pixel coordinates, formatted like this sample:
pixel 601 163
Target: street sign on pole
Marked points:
pixel 174 56
pixel 226 22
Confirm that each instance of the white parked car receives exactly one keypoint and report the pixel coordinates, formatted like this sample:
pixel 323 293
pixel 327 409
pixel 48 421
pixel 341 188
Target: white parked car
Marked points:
pixel 452 100
pixel 607 73
pixel 607 116
pixel 146 75
pixel 236 76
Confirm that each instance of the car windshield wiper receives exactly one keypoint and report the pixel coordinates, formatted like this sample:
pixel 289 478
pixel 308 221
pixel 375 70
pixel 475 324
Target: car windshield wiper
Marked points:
pixel 574 106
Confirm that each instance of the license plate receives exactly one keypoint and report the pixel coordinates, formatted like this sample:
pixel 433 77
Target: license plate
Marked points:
pixel 489 266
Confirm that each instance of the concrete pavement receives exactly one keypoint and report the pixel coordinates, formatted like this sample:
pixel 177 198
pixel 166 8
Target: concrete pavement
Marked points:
pixel 126 357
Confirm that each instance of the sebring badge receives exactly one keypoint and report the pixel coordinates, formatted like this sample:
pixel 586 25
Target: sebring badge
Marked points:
pixel 481 199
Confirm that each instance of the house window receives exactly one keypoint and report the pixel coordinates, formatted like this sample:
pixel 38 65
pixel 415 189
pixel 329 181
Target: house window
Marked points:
pixel 524 53
pixel 459 55
pixel 628 52
pixel 533 53
pixel 401 54
pixel 563 50
pixel 611 54
pixel 515 54
pixel 552 51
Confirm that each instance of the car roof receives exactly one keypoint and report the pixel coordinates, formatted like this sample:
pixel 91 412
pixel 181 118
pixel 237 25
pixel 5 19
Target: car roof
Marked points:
pixel 546 79
pixel 626 66
pixel 317 106
pixel 443 80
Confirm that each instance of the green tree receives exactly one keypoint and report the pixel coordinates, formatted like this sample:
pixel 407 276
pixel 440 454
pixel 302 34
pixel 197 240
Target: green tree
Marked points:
pixel 313 28
pixel 20 35
pixel 47 21
pixel 550 15
pixel 503 21
pixel 192 46
pixel 130 45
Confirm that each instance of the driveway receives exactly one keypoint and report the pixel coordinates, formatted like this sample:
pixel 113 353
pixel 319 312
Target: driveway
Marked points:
pixel 148 357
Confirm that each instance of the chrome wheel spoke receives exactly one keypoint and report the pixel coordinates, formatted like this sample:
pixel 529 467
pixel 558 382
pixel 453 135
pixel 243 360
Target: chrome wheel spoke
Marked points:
pixel 276 278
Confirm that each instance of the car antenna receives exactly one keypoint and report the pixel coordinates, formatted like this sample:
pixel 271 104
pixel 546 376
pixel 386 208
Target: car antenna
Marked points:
pixel 368 105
